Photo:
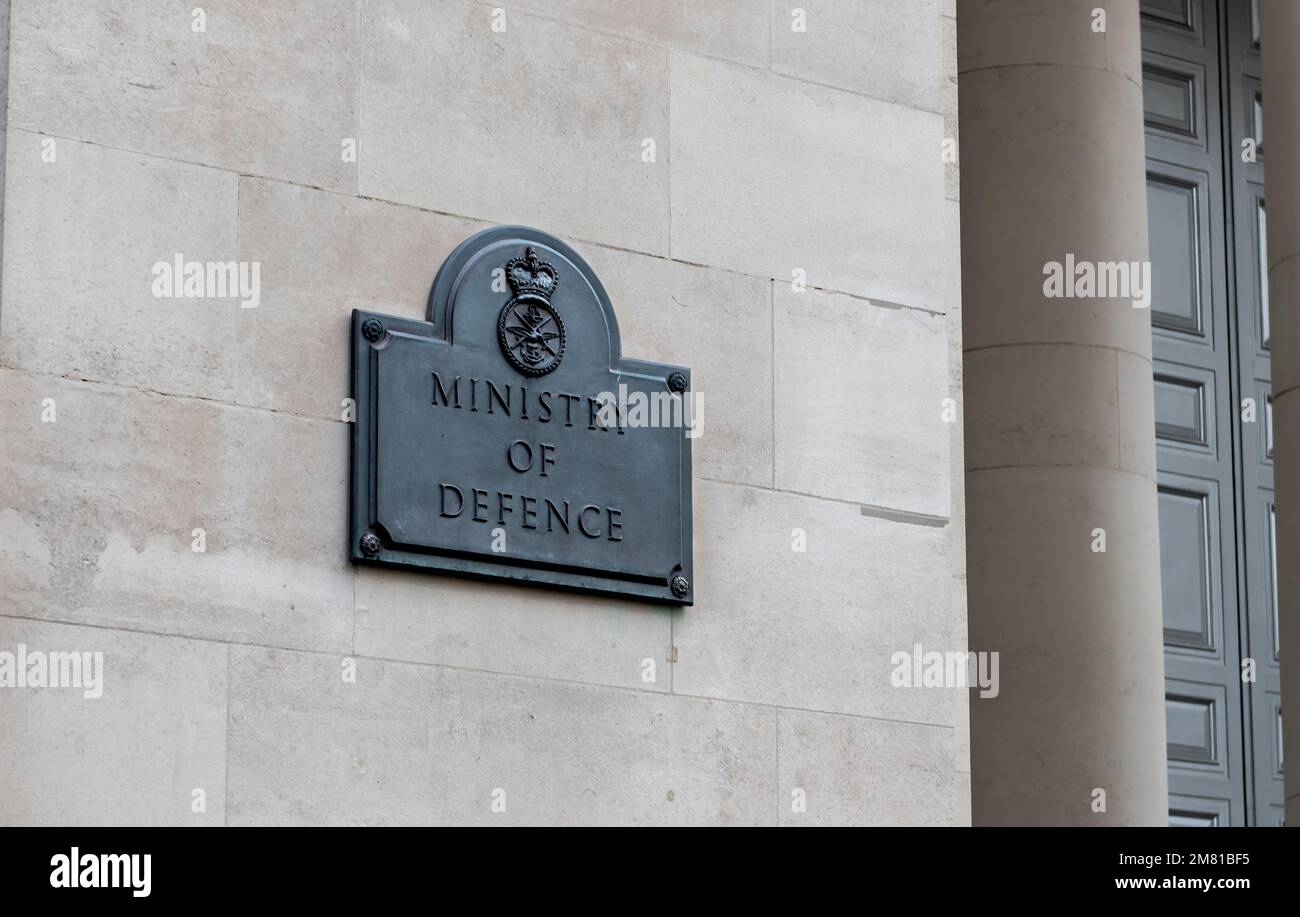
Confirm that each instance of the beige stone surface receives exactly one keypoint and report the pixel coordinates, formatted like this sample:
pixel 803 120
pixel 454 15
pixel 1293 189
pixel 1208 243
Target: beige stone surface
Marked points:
pixel 771 174
pixel 100 507
pixel 957 484
pixel 1137 415
pixel 956 372
pixel 1281 73
pixel 406 744
pixel 307 747
pixel 512 629
pixel 324 255
pixel 951 118
pixel 1081 700
pixel 962 701
pixel 812 629
pixel 732 29
pixel 267 88
pixel 1058 432
pixel 858 771
pixel 1060 435
pixel 952 278
pixel 1046 201
pixel 1042 405
pixel 718 323
pixel 136 754
pixel 1057 33
pixel 859 401
pixel 961 800
pixel 541 124
pixel 82 235
pixel 4 103
pixel 880 48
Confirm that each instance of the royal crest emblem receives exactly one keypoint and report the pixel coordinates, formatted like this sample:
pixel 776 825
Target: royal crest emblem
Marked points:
pixel 530 330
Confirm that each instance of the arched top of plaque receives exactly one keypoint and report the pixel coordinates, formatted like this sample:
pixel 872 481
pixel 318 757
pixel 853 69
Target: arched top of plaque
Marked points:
pixel 546 300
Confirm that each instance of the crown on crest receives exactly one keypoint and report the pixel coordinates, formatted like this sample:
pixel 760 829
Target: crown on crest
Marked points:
pixel 530 274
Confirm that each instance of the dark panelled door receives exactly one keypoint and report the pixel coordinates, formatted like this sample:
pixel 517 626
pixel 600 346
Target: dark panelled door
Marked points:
pixel 1209 341
pixel 1259 626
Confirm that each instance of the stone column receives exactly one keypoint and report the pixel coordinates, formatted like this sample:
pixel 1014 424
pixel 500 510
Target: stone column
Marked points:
pixel 1063 551
pixel 1280 30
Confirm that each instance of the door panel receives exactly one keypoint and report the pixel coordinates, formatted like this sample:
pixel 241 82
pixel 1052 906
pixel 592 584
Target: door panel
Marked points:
pixel 1250 249
pixel 1189 550
pixel 1177 215
pixel 1210 332
pixel 1195 448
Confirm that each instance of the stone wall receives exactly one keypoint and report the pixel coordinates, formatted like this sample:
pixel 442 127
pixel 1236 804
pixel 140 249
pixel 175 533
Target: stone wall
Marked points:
pixel 129 422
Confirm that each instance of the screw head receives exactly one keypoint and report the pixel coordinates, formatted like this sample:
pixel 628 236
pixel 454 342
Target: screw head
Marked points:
pixel 372 329
pixel 370 544
pixel 681 585
pixel 677 382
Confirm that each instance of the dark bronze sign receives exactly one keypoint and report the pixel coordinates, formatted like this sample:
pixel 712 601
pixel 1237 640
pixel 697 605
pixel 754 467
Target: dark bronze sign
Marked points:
pixel 507 437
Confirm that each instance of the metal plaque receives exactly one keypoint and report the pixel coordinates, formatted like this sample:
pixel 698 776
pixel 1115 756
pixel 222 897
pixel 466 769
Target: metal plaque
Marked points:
pixel 507 437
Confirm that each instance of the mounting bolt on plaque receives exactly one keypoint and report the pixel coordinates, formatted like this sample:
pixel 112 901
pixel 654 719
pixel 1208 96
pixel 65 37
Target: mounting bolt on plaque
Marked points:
pixel 370 543
pixel 677 382
pixel 372 329
pixel 681 586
